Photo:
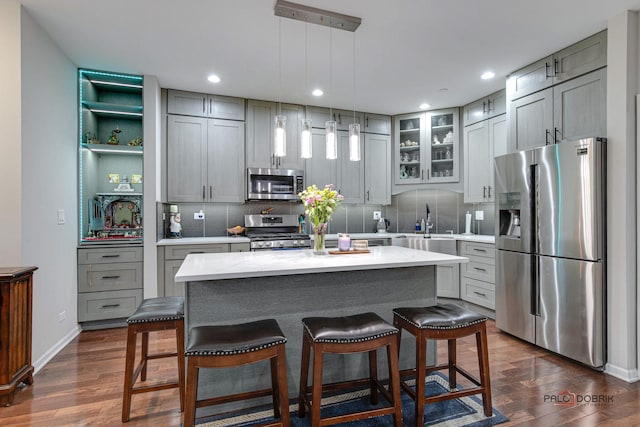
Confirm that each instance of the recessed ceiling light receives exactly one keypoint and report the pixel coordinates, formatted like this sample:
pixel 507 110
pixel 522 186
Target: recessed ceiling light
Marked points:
pixel 213 78
pixel 424 106
pixel 317 92
pixel 488 75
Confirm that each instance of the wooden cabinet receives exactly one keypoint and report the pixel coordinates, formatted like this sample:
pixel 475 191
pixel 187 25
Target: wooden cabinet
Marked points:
pixel 483 141
pixel 578 59
pixel 174 255
pixel 109 282
pixel 377 123
pixel 205 160
pixel 485 108
pixel 477 282
pixel 571 110
pixel 260 135
pixel 16 295
pixel 204 105
pixel 377 169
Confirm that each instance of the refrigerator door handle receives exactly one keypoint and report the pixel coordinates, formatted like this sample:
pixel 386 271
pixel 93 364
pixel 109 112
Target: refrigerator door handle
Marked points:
pixel 535 286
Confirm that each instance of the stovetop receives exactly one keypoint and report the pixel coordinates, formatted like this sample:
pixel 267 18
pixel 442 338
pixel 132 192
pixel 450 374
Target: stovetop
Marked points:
pixel 262 236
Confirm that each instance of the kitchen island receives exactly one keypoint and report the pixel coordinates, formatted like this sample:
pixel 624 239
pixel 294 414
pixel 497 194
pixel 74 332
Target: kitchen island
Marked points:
pixel 228 288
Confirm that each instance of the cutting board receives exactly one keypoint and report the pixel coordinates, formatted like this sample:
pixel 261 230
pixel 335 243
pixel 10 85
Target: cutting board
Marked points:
pixel 354 251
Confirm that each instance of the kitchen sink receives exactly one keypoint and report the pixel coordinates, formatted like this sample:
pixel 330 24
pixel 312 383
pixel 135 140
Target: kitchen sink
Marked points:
pixel 443 245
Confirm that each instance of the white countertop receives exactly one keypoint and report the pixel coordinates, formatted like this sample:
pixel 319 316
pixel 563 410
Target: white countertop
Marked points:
pixel 197 267
pixel 202 240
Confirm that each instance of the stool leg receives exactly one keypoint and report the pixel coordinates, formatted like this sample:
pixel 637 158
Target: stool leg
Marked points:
pixel 483 362
pixel 373 376
pixel 453 360
pixel 316 386
pixel 128 373
pixel 421 373
pixel 181 369
pixel 283 386
pixel 275 390
pixel 192 391
pixel 304 374
pixel 145 353
pixel 394 382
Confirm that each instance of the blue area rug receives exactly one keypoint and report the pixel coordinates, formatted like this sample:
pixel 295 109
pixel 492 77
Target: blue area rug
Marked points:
pixel 466 411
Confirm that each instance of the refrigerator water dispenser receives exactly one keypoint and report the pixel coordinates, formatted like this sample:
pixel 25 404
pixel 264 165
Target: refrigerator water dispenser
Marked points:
pixel 509 213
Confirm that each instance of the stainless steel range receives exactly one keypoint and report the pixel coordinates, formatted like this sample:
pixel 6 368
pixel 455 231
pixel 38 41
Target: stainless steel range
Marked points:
pixel 275 232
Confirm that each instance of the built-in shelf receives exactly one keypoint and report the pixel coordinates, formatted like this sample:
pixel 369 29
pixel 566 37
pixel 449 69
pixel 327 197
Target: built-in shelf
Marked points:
pixel 113 110
pixel 114 149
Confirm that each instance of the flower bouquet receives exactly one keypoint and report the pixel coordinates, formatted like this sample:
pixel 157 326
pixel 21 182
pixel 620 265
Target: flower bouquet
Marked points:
pixel 318 207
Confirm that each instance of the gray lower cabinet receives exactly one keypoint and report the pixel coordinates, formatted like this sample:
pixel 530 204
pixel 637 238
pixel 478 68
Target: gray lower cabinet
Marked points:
pixel 205 160
pixel 174 256
pixel 568 111
pixel 377 169
pixel 448 280
pixel 477 277
pixel 109 282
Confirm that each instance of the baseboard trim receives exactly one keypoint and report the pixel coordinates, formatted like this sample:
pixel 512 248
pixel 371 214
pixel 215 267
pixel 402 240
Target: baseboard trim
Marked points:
pixel 42 361
pixel 628 375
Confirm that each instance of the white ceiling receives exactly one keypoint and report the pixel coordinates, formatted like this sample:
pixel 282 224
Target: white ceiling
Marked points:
pixel 406 51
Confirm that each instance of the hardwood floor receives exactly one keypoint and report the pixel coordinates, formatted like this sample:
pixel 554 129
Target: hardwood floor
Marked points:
pixel 82 386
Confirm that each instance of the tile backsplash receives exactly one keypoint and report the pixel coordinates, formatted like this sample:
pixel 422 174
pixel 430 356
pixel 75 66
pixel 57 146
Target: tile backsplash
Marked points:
pixel 447 213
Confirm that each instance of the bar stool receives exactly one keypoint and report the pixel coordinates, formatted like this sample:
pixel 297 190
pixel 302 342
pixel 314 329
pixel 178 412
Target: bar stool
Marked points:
pixel 153 315
pixel 342 335
pixel 236 345
pixel 444 322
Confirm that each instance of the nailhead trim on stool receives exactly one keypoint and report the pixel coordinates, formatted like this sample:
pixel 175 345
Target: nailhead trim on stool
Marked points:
pixel 366 332
pixel 153 315
pixel 223 346
pixel 444 322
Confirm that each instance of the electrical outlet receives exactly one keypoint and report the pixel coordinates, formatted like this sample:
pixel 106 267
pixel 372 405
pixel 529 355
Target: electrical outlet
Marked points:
pixel 62 315
pixel 198 215
pixel 61 219
pixel 479 215
pixel 377 215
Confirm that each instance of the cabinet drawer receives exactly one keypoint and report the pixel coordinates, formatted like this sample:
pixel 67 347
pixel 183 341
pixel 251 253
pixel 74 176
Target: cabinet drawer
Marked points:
pixel 109 255
pixel 109 277
pixel 478 292
pixel 239 247
pixel 485 251
pixel 181 251
pixel 108 305
pixel 479 270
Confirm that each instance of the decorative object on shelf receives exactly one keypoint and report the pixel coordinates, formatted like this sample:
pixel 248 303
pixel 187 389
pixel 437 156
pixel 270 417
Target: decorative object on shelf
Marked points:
pixel 136 142
pixel 136 179
pixel 94 140
pixel 113 139
pixel 124 185
pixel 175 228
pixel 436 141
pixel 448 139
pixel 319 205
pixel 114 178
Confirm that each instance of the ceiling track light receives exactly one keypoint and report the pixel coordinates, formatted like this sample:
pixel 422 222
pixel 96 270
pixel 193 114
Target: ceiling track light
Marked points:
pixel 314 15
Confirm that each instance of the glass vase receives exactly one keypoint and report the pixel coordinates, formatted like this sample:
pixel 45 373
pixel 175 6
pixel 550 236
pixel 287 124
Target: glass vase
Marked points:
pixel 319 232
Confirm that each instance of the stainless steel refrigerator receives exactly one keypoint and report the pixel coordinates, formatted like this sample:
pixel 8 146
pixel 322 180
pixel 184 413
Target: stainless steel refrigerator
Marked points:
pixel 551 239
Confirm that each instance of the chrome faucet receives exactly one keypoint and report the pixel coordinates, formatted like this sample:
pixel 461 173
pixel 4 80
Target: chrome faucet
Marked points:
pixel 428 224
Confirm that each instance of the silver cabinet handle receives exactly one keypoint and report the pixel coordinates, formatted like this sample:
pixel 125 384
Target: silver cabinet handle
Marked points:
pixel 339 119
pixel 484 192
pixel 366 125
pixel 546 70
pixel 479 250
pixel 110 306
pixel 480 269
pixel 546 137
pixel 110 277
pixel 422 175
pixel 480 293
pixel 203 192
pixel 211 192
pixel 555 67
pixel 555 135
pixel 488 105
pixel 367 194
pixel 484 108
pixel 428 174
pixel 204 105
pixel 489 187
pixel 111 256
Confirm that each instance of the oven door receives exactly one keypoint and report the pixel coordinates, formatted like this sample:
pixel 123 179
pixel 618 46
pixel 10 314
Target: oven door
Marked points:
pixel 274 184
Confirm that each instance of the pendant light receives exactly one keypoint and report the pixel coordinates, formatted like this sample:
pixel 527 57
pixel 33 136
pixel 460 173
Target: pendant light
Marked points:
pixel 354 128
pixel 280 136
pixel 305 138
pixel 330 125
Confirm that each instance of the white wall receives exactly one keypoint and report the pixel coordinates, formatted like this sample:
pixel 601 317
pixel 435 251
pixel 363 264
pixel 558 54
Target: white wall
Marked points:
pixel 622 86
pixel 49 183
pixel 10 158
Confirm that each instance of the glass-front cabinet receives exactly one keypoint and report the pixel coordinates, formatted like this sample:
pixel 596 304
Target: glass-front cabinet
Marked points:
pixel 110 157
pixel 427 147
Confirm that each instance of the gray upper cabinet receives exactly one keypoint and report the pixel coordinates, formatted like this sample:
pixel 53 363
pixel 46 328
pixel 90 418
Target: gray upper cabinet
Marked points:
pixel 205 160
pixel 260 134
pixel 318 169
pixel 485 108
pixel 377 169
pixel 531 121
pixel 377 123
pixel 578 59
pixel 350 175
pixel 203 105
pixel 344 118
pixel 319 116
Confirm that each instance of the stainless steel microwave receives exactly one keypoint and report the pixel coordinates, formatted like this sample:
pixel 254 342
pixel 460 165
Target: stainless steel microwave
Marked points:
pixel 274 184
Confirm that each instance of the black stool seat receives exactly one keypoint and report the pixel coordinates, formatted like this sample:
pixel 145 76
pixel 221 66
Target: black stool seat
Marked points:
pixel 441 316
pixel 234 339
pixel 158 310
pixel 348 329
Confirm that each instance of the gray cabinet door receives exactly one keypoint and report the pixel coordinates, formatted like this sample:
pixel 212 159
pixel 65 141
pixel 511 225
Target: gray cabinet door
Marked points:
pixel 532 78
pixel 319 116
pixel 498 142
pixel 225 156
pixel 344 118
pixel 377 164
pixel 531 121
pixel 580 107
pixel 294 115
pixel 582 57
pixel 171 287
pixel 350 180
pixel 319 170
pixel 376 123
pixel 187 103
pixel 225 107
pixel 186 158
pixel 260 128
pixel 477 156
